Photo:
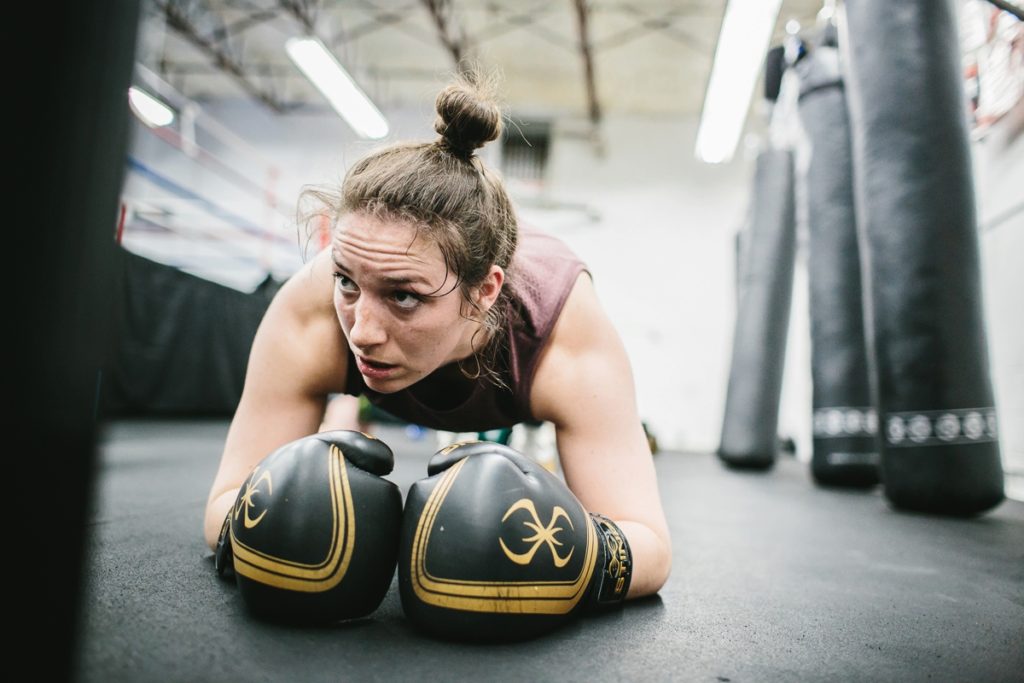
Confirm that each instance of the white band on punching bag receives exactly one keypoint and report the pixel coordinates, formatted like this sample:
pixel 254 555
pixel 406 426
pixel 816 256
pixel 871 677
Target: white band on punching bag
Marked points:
pixel 941 427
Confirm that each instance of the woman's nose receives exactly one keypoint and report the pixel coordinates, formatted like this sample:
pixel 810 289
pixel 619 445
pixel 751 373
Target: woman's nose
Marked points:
pixel 367 324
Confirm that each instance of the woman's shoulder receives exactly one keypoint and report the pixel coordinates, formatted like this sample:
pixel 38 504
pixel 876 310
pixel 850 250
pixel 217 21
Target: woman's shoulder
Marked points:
pixel 308 293
pixel 578 341
pixel 303 310
pixel 544 272
pixel 580 318
pixel 534 242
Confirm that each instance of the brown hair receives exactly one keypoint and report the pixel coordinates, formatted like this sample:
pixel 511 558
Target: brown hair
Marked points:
pixel 445 190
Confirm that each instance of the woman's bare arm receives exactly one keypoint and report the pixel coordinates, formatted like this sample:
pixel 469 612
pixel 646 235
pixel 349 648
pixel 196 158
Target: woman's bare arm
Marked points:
pixel 584 385
pixel 298 356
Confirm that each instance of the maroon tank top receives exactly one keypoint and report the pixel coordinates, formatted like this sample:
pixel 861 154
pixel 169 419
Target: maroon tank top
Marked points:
pixel 543 273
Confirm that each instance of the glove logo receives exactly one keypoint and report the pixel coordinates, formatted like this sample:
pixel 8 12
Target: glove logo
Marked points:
pixel 544 534
pixel 246 499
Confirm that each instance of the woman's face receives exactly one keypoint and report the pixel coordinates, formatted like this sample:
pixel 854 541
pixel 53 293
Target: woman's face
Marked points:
pixel 398 305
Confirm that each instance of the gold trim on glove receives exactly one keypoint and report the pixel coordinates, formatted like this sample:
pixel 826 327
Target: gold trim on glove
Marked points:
pixel 297 576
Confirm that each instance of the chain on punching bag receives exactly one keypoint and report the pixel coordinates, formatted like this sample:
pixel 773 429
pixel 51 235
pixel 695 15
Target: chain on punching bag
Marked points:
pixel 918 233
pixel 845 423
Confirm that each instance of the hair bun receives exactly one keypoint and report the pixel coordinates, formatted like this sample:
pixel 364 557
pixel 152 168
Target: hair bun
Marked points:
pixel 467 116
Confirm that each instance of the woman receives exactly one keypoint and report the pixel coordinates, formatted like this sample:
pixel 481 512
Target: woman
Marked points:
pixel 433 304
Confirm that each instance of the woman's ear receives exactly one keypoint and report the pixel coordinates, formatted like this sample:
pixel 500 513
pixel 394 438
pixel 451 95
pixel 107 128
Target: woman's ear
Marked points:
pixel 486 293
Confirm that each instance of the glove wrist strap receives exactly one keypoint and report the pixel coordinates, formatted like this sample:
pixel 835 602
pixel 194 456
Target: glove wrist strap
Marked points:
pixel 613 576
pixel 223 559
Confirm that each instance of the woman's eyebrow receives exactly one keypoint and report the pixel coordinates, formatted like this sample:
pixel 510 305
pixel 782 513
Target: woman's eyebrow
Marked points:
pixel 390 279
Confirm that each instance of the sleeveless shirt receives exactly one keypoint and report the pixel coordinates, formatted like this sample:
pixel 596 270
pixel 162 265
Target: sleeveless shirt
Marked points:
pixel 543 273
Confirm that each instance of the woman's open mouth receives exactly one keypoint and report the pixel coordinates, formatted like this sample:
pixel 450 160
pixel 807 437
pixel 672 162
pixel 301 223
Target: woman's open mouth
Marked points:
pixel 374 369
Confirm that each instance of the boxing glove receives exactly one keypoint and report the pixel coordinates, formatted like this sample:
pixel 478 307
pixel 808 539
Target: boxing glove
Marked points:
pixel 313 534
pixel 495 547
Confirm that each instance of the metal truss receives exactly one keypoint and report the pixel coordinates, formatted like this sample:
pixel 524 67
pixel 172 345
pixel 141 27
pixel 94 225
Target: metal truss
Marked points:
pixel 202 24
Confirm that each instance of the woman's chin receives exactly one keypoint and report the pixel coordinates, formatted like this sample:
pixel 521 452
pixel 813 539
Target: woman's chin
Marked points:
pixel 385 385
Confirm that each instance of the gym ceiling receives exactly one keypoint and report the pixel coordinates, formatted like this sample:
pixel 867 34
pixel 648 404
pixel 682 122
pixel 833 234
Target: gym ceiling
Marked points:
pixel 581 59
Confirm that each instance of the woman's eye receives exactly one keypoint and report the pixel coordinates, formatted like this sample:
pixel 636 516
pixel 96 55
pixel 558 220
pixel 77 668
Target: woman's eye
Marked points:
pixel 344 283
pixel 406 300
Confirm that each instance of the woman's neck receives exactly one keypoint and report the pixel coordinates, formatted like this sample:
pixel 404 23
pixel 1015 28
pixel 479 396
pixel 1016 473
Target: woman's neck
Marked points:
pixel 451 384
pixel 445 388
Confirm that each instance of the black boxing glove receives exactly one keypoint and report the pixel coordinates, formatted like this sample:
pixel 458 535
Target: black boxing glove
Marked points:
pixel 313 534
pixel 495 547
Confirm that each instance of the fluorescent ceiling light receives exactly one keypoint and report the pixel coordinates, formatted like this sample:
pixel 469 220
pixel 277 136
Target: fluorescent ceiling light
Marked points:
pixel 746 31
pixel 152 111
pixel 324 72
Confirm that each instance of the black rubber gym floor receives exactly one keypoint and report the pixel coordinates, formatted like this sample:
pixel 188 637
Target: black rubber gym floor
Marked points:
pixel 774 579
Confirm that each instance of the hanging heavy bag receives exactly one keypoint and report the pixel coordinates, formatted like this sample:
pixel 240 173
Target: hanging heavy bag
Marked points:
pixel 918 233
pixel 845 423
pixel 750 423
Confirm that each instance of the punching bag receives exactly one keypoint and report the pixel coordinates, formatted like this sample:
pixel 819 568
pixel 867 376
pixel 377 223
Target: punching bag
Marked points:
pixel 749 427
pixel 845 423
pixel 919 243
pixel 69 162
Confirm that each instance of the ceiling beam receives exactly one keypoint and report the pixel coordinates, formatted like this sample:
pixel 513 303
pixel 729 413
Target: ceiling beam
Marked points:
pixel 451 34
pixel 304 11
pixel 183 17
pixel 382 18
pixel 582 23
pixel 664 24
pixel 530 18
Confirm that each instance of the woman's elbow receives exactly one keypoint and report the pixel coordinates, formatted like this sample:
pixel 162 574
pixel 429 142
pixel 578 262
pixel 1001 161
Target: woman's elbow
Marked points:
pixel 217 509
pixel 662 566
pixel 652 558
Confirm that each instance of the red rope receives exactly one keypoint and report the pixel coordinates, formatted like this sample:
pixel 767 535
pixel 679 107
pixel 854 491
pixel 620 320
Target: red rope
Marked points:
pixel 120 224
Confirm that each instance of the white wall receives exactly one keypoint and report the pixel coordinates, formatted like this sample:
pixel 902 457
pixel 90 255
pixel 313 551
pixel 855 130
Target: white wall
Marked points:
pixel 999 179
pixel 662 256
pixel 661 249
pixel 658 234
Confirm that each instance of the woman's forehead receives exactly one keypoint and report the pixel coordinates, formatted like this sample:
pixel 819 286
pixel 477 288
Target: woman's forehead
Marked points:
pixel 387 244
